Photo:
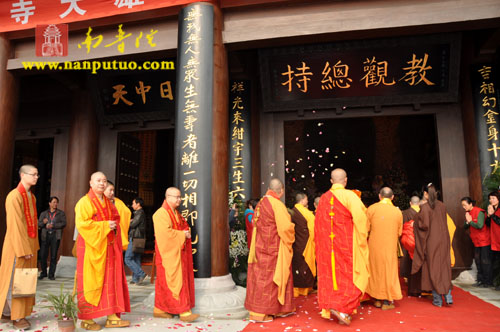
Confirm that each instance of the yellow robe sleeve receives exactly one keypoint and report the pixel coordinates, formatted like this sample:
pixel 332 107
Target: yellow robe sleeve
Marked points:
pixel 451 230
pixel 16 222
pixel 170 243
pixel 125 216
pixel 286 232
pixel 94 233
pixel 310 248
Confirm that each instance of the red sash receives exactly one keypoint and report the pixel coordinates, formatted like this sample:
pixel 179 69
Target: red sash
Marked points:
pixel 31 220
pixel 106 212
pixel 178 223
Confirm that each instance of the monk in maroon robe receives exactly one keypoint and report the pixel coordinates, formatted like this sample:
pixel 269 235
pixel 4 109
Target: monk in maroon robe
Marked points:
pixel 269 281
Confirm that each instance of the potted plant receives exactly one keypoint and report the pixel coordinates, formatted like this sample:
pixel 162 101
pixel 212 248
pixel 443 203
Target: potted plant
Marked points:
pixel 65 308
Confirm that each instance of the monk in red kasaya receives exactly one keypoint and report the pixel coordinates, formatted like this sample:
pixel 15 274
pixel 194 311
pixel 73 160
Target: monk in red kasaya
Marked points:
pixel 174 287
pixel 341 232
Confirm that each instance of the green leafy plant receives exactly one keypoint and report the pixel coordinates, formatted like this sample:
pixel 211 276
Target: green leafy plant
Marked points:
pixel 63 305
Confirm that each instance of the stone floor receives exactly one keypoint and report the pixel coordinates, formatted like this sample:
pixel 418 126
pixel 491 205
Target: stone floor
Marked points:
pixel 141 318
pixel 141 315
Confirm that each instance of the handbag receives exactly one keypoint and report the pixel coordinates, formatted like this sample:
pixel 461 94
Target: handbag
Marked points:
pixel 138 245
pixel 24 283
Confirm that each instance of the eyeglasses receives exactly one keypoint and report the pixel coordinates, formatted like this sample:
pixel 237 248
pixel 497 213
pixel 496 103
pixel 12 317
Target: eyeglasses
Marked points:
pixel 36 175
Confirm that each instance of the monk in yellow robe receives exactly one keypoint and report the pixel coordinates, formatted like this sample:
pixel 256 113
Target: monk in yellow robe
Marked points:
pixel 269 281
pixel 340 233
pixel 304 255
pixel 101 285
pixel 385 224
pixel 174 286
pixel 123 211
pixel 20 246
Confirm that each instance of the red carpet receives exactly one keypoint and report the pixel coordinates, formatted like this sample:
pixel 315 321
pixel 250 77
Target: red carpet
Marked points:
pixel 468 313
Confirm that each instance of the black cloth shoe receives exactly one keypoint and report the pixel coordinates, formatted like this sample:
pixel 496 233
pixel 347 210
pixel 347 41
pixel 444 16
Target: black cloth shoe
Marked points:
pixel 52 278
pixel 42 276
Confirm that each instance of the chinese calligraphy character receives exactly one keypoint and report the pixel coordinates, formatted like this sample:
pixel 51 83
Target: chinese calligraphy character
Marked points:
pixel 490 116
pixel 119 39
pixel 376 72
pixel 495 166
pixel 487 88
pixel 190 91
pixel 119 95
pixel 190 216
pixel 237 103
pixel 166 92
pixel 191 183
pixel 238 147
pixel 142 90
pixel 88 41
pixel 340 77
pixel 24 11
pixel 190 106
pixel 494 149
pixel 417 69
pixel 190 141
pixel 72 6
pixel 486 102
pixel 485 72
pixel 191 198
pixel 189 75
pixel 128 3
pixel 238 133
pixel 302 75
pixel 192 27
pixel 150 37
pixel 237 191
pixel 237 87
pixel 189 123
pixel 237 176
pixel 192 15
pixel 189 159
pixel 237 118
pixel 492 133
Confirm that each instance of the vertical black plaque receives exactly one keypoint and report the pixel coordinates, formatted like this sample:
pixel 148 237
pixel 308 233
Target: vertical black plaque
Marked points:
pixel 193 127
pixel 240 149
pixel 487 117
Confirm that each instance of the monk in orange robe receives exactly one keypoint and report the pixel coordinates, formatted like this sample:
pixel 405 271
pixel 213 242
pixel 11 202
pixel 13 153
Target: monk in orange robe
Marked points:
pixel 101 285
pixel 341 233
pixel 385 222
pixel 123 211
pixel 269 281
pixel 20 246
pixel 174 286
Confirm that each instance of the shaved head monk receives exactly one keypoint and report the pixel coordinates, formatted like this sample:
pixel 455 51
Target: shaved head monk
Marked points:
pixel 341 250
pixel 101 285
pixel 174 286
pixel 20 246
pixel 269 281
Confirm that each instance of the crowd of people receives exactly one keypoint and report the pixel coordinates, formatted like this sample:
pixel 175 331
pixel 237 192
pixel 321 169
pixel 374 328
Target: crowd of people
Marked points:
pixel 107 237
pixel 348 253
pixel 345 252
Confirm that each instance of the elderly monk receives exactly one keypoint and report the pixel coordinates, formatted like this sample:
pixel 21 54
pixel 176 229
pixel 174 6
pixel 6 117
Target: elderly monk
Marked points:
pixel 101 285
pixel 123 211
pixel 340 232
pixel 19 247
pixel 385 224
pixel 174 287
pixel 304 255
pixel 269 281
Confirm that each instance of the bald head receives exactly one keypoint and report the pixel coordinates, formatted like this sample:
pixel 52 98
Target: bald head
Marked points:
pixel 98 182
pixel 276 185
pixel 414 200
pixel 338 175
pixel 386 192
pixel 26 169
pixel 97 174
pixel 173 197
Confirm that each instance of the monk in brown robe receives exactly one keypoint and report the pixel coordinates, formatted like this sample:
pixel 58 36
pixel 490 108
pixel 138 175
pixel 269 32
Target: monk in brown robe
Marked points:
pixel 341 231
pixel 100 279
pixel 20 246
pixel 385 222
pixel 269 281
pixel 304 256
pixel 408 222
pixel 174 286
pixel 432 248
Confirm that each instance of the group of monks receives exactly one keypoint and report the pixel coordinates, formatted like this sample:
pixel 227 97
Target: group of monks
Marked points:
pixel 349 250
pixel 102 222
